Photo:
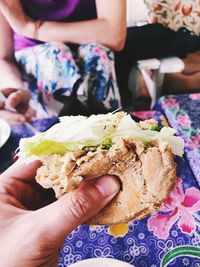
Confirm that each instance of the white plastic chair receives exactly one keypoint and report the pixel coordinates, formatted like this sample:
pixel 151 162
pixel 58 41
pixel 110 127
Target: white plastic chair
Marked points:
pixel 153 69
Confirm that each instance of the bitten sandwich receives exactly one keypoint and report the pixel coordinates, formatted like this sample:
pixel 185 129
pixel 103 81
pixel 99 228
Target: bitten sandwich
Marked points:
pixel 81 148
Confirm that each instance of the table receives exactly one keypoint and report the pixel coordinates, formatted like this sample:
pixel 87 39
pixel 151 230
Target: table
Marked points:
pixel 183 114
pixel 169 238
pixel 18 131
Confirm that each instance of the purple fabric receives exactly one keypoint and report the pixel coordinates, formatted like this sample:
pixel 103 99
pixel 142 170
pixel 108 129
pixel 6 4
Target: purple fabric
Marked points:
pixel 55 10
pixel 183 113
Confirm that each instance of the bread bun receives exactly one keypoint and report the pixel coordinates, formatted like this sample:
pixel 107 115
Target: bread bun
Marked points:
pixel 147 173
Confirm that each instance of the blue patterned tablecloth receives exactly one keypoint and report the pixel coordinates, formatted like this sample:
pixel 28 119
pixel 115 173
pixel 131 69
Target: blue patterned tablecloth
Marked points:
pixel 183 114
pixel 170 237
pixel 18 131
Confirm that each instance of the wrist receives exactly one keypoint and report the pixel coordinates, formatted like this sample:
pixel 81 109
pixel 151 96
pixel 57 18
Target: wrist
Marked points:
pixel 38 24
pixel 29 29
pixel 32 29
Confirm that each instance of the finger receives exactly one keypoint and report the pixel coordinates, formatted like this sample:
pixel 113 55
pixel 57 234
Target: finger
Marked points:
pixel 12 117
pixel 8 91
pixel 21 171
pixel 19 181
pixel 74 208
pixel 30 114
pixel 14 99
pixel 2 105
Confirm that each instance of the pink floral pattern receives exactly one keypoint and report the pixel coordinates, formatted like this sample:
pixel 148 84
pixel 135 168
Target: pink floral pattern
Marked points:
pixel 171 103
pixel 194 142
pixel 183 113
pixel 184 120
pixel 176 13
pixel 179 207
pixel 144 115
pixel 194 96
pixel 55 73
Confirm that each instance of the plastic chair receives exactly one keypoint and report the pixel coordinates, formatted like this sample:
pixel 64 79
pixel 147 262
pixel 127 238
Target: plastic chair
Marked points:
pixel 153 69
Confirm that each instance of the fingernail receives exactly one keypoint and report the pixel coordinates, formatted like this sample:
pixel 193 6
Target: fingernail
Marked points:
pixel 2 105
pixel 21 119
pixel 107 185
pixel 28 118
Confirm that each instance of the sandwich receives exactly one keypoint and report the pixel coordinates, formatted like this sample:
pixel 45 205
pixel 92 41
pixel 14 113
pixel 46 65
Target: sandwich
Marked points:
pixel 81 148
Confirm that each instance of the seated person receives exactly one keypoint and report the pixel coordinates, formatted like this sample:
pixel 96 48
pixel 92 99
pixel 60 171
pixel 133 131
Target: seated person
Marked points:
pixel 52 53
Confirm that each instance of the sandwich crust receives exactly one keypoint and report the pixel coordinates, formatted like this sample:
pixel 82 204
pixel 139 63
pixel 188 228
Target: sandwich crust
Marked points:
pixel 147 172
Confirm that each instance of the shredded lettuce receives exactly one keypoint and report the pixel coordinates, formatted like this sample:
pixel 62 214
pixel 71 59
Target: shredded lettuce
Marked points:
pixel 107 143
pixel 155 128
pixel 76 132
pixel 47 147
pixel 129 128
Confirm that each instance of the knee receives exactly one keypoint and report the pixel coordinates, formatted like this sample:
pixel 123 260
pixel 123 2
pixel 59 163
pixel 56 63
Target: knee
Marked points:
pixel 96 51
pixel 58 47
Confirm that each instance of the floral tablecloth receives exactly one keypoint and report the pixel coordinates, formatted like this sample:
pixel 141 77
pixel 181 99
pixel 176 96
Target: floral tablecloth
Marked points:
pixel 169 238
pixel 183 114
pixel 18 131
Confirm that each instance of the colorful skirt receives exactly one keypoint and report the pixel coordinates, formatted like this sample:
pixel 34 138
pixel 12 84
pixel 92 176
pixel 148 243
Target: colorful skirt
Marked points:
pixel 73 79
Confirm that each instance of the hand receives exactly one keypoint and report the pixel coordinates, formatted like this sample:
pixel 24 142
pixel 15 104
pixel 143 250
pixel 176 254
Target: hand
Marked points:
pixel 32 234
pixel 16 17
pixel 16 99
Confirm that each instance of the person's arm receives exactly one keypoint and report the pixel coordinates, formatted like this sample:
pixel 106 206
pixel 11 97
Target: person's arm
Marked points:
pixel 10 75
pixel 108 29
pixel 11 84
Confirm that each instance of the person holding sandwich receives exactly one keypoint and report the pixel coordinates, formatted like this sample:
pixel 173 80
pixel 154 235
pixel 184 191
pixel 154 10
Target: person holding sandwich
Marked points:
pixel 59 53
pixel 32 232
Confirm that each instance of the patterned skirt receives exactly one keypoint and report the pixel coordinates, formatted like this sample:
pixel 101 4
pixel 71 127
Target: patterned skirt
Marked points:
pixel 69 79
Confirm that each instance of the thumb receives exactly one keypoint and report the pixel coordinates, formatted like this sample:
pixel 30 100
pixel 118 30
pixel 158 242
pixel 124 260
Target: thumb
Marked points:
pixel 74 208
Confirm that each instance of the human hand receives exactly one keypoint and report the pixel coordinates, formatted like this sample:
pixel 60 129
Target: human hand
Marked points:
pixel 16 105
pixel 16 17
pixel 31 233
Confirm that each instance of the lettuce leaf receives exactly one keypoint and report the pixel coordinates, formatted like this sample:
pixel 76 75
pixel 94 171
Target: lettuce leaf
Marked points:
pixel 76 132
